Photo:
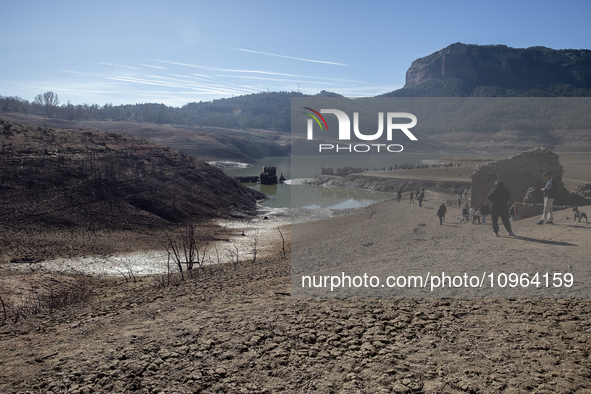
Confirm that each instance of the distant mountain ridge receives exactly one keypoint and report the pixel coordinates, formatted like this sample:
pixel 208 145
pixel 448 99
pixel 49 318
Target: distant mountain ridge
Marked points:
pixel 245 128
pixel 497 71
pixel 264 110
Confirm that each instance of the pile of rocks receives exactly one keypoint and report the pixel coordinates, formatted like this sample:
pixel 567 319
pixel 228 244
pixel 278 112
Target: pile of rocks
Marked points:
pixel 584 191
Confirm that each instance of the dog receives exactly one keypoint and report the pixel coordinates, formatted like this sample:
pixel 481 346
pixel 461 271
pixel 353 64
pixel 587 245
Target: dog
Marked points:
pixel 579 215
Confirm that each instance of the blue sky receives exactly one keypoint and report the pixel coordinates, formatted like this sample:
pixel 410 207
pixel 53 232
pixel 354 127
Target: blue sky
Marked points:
pixel 176 52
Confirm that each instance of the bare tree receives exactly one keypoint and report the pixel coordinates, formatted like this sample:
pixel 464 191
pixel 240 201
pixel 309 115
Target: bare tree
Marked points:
pixel 4 308
pixel 174 251
pixel 255 243
pixel 201 260
pixel 189 245
pixel 217 254
pixel 234 255
pixel 128 264
pixel 165 280
pixel 283 255
pixel 48 101
pixel 186 250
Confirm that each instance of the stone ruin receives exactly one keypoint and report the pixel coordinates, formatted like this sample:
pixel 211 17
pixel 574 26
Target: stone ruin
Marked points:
pixel 522 175
pixel 268 176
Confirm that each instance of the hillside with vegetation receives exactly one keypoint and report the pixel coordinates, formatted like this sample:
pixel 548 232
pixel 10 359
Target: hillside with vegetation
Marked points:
pixel 244 128
pixel 265 110
pixel 75 185
pixel 203 143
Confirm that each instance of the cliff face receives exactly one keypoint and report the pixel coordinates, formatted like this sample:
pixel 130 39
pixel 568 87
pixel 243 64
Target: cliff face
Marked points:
pixel 503 66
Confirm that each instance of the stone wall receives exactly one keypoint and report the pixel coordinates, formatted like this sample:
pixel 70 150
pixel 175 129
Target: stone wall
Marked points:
pixel 528 210
pixel 519 172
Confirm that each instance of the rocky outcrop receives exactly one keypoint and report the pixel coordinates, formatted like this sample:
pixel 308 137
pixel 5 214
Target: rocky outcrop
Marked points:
pixel 522 175
pixel 519 173
pixel 535 196
pixel 584 191
pixel 500 65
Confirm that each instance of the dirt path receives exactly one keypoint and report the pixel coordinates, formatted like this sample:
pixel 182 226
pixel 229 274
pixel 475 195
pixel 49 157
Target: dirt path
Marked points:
pixel 401 239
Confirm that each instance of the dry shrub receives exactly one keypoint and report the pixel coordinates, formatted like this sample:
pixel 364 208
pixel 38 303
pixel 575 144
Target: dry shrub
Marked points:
pixel 56 297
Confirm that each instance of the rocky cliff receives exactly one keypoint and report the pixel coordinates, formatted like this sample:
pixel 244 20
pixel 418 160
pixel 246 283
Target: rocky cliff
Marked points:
pixel 502 67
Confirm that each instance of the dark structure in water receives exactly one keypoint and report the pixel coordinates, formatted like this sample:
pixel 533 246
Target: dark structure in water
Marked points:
pixel 247 179
pixel 268 176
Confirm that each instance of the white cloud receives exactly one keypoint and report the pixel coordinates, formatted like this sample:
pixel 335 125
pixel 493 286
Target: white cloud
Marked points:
pixel 187 76
pixel 274 79
pixel 116 65
pixel 264 72
pixel 291 57
pixel 149 65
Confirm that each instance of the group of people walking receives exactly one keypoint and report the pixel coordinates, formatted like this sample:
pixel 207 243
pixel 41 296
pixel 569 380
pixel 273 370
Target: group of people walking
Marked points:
pixel 499 197
pixel 476 214
pixel 418 195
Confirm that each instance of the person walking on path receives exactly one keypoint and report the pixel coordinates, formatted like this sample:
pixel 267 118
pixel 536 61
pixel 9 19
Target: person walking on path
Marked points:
pixel 550 192
pixel 484 210
pixel 465 212
pixel 441 212
pixel 420 198
pixel 499 196
pixel 412 197
pixel 476 216
pixel 459 198
pixel 398 194
pixel 513 213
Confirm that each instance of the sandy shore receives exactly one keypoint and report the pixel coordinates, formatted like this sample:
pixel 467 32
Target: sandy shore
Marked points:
pixel 402 240
pixel 263 234
pixel 234 240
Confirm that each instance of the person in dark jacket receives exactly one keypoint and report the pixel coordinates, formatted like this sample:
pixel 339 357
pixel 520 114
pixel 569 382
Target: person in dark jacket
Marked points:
pixel 441 212
pixel 550 192
pixel 499 196
pixel 484 210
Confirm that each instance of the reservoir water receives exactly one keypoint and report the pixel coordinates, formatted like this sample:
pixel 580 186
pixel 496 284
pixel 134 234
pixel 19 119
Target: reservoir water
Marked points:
pixel 300 196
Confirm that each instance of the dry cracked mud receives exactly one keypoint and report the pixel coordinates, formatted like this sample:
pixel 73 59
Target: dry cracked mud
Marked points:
pixel 234 328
